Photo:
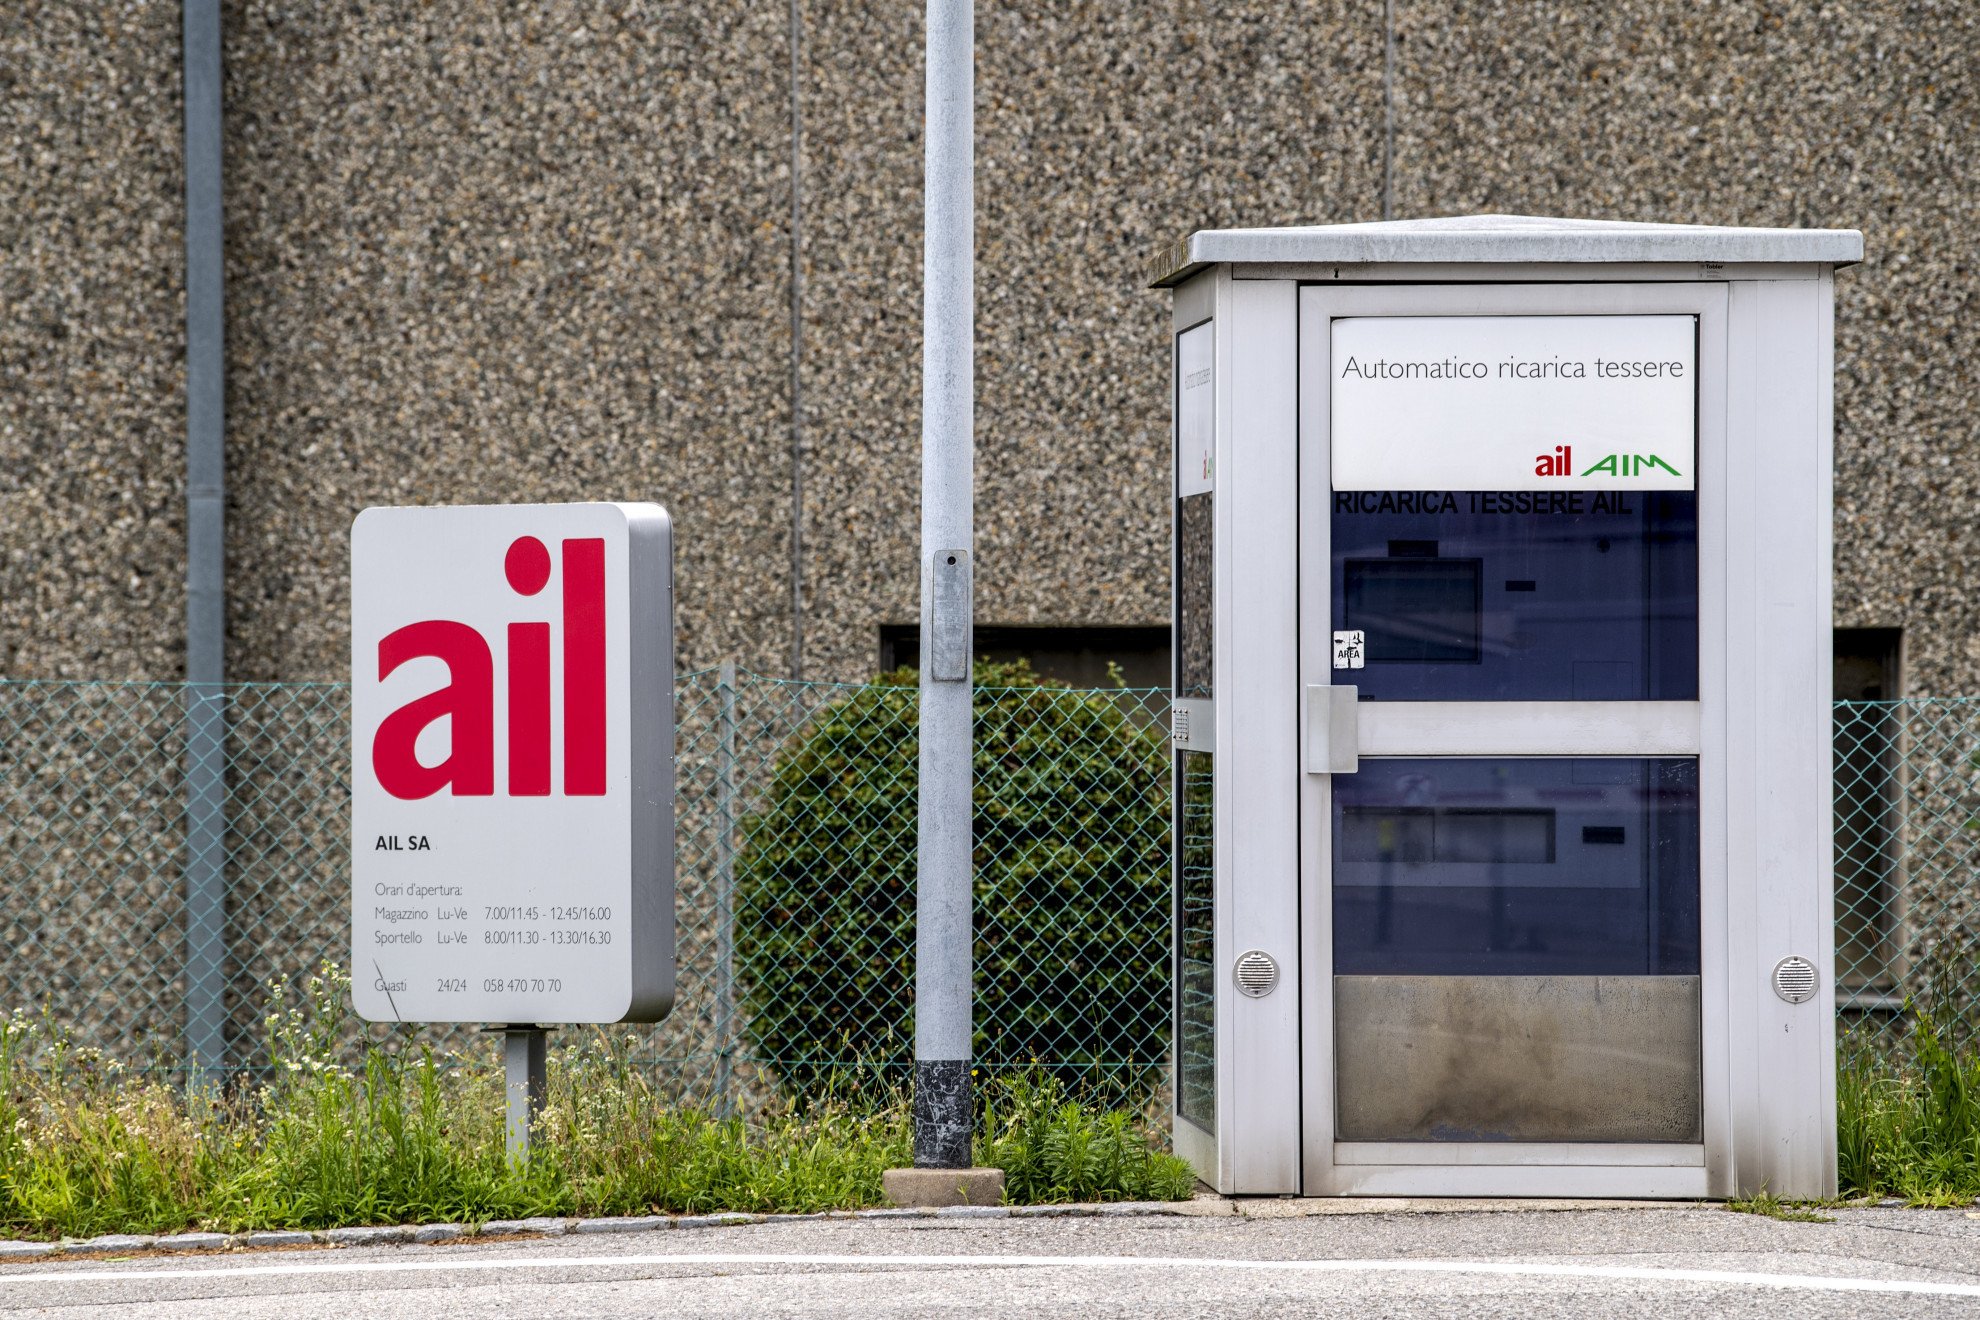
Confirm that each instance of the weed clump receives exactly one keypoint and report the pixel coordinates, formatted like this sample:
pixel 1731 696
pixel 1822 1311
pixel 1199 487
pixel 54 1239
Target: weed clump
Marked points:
pixel 1908 1121
pixel 1052 1149
pixel 392 1132
pixel 1769 1206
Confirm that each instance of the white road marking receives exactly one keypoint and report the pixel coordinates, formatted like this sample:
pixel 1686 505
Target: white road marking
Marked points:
pixel 1506 1269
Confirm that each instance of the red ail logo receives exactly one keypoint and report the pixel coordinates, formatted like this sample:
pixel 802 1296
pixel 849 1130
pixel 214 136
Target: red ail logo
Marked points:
pixel 468 700
pixel 1560 463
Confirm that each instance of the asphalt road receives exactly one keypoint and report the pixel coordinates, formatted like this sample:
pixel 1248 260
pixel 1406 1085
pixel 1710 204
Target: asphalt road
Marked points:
pixel 1660 1262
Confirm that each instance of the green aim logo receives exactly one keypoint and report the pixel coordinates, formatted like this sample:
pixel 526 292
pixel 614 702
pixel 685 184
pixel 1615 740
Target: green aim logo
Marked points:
pixel 1629 465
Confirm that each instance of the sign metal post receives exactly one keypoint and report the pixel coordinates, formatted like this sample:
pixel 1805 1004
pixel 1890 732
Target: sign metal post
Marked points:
pixel 525 1056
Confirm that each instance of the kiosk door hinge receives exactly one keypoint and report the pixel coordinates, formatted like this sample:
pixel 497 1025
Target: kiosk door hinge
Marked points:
pixel 1333 729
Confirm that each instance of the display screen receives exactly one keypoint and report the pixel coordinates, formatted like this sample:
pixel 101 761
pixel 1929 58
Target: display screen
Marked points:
pixel 1415 611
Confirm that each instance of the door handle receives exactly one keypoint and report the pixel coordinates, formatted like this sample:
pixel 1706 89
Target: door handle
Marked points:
pixel 1333 729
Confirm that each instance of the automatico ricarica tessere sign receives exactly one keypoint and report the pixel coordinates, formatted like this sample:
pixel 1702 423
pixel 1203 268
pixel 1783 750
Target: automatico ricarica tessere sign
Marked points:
pixel 512 737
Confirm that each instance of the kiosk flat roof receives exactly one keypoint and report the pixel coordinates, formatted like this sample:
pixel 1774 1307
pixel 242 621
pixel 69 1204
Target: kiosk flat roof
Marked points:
pixel 1504 238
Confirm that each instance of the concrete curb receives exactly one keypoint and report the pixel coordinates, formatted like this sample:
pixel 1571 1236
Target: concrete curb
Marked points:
pixel 429 1234
pixel 435 1234
pixel 365 1236
pixel 538 1227
pixel 283 1238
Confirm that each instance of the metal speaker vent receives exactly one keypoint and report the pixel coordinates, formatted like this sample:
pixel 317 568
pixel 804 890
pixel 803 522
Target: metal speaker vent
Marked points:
pixel 1255 973
pixel 1794 979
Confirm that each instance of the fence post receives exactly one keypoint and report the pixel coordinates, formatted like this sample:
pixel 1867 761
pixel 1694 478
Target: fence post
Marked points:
pixel 206 606
pixel 725 889
pixel 206 880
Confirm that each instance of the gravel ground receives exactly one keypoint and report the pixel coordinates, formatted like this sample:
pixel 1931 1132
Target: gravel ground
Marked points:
pixel 1259 1259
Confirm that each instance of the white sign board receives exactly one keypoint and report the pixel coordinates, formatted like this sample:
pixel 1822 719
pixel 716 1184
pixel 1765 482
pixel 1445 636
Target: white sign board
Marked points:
pixel 1196 417
pixel 1505 403
pixel 512 745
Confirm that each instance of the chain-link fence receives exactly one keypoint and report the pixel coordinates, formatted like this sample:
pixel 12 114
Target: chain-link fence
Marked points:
pixel 1907 866
pixel 795 871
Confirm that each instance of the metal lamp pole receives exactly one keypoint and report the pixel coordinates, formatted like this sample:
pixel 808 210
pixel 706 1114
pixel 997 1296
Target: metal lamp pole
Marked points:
pixel 943 1111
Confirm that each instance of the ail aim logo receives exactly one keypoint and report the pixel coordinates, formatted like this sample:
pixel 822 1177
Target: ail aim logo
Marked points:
pixel 1560 463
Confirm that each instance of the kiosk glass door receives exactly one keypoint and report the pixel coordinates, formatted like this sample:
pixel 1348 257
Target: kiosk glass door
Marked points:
pixel 1506 820
pixel 1516 949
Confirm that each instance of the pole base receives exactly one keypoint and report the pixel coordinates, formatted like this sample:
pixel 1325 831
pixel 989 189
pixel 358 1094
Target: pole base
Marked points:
pixel 916 1189
pixel 944 1114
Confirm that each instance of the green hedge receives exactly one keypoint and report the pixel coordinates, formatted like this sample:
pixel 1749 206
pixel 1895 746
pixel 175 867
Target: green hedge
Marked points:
pixel 1072 897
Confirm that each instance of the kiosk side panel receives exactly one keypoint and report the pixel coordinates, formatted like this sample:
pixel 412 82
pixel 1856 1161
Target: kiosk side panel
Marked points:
pixel 1257 793
pixel 1778 585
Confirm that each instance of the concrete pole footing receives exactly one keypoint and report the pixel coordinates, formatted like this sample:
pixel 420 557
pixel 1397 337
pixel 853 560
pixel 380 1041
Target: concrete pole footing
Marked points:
pixel 917 1189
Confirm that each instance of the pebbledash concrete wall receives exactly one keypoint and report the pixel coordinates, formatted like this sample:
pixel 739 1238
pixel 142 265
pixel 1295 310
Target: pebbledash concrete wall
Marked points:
pixel 492 252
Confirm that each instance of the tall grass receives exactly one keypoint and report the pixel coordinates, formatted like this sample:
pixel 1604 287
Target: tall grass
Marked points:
pixel 88 1146
pixel 1908 1118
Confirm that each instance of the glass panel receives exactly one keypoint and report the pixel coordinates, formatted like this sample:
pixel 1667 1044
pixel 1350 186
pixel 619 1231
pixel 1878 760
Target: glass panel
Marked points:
pixel 1196 967
pixel 1195 518
pixel 1518 1058
pixel 1549 866
pixel 1569 595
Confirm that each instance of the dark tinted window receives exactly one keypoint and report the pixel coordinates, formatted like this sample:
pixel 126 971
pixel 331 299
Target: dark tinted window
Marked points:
pixel 1195 547
pixel 1084 656
pixel 1869 726
pixel 1519 596
pixel 1540 866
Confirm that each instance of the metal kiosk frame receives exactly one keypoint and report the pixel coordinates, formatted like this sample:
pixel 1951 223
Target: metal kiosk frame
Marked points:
pixel 1256 1064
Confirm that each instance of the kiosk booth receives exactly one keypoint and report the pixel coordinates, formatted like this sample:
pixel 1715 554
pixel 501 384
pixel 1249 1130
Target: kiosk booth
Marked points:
pixel 1502 726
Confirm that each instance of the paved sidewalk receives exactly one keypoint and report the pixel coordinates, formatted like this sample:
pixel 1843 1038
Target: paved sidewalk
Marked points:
pixel 1247 1260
